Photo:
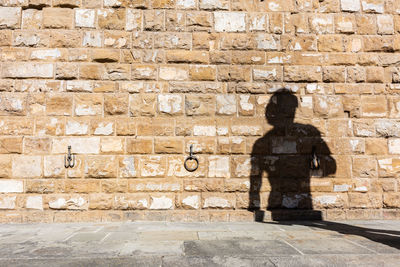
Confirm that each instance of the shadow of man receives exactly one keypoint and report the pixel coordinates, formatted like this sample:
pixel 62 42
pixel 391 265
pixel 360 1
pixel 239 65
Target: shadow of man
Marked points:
pixel 281 163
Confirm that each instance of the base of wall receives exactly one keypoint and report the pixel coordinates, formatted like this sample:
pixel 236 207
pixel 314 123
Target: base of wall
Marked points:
pixel 196 215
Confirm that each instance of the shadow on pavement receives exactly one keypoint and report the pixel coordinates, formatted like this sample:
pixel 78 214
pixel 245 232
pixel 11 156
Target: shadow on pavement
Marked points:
pixel 386 237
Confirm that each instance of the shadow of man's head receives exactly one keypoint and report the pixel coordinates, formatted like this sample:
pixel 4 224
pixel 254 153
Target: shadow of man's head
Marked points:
pixel 281 107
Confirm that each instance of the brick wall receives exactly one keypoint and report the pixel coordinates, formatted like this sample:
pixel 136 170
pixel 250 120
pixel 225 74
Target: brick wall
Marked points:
pixel 130 85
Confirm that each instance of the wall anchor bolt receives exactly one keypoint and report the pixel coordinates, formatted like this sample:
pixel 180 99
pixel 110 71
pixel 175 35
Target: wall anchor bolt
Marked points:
pixel 69 160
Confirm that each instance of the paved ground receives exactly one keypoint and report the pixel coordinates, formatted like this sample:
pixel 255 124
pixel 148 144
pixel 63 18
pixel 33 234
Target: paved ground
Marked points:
pixel 351 243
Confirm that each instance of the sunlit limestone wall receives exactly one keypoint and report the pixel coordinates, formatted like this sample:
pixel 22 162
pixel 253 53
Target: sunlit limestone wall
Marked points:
pixel 130 85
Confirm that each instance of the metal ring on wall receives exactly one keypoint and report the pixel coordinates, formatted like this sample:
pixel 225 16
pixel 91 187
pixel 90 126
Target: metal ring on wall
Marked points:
pixel 191 157
pixel 194 168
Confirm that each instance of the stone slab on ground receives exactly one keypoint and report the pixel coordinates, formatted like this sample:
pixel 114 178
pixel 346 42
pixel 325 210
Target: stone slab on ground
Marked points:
pixel 311 243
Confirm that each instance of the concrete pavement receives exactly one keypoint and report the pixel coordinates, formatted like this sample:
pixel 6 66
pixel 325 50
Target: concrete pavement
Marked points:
pixel 350 243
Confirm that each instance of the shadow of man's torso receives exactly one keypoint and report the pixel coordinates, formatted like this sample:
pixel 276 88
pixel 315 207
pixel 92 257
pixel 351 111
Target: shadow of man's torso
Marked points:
pixel 281 162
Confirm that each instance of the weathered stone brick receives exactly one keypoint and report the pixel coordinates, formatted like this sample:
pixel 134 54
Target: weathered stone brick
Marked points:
pixel 10 17
pixel 374 106
pixel 189 201
pixel 203 185
pixel 364 167
pixel 116 104
pixel 218 201
pixel 66 71
pixel 112 145
pixel 202 73
pixel 226 105
pixel 267 73
pixel 176 73
pixel 248 57
pixel 128 166
pixel 133 20
pixel 218 167
pixel 373 6
pixel 34 202
pixel 199 21
pixel 58 18
pixel 199 105
pixel 32 19
pixel 302 73
pixel 92 39
pixel 156 185
pixel 374 74
pixel 67 202
pixel 117 39
pixel 333 74
pixel 175 21
pixel 7 202
pixel 10 145
pixel 229 22
pixel 5 164
pixel 78 126
pixel 27 166
pixel 350 5
pixel 162 202
pixel 114 186
pixel 100 167
pixel 59 104
pixel 100 201
pixel 246 105
pixel 79 145
pixel 391 200
pixel 139 145
pixel 366 24
pixel 88 104
pixel 85 18
pixel 30 39
pixel 345 24
pixel 234 73
pixel 131 201
pixel 91 71
pixel 168 145
pixel 152 166
pixel 105 55
pixel 27 70
pixel 300 43
pixel 186 4
pixel 153 20
pixel 374 146
pixel 360 200
pixel 170 104
pixel 385 24
pixel 53 166
pixel 330 201
pixel 187 57
pixel 144 72
pixel 37 145
pixel 13 104
pixel 111 19
pixel 142 105
pixel 322 24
